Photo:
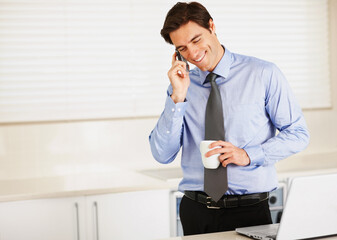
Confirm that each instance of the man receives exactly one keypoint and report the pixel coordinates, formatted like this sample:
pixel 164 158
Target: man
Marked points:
pixel 256 101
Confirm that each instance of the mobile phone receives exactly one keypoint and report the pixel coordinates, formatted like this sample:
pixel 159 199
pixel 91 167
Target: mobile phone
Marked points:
pixel 181 58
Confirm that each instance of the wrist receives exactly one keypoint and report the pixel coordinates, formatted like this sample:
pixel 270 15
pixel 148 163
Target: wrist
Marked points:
pixel 178 98
pixel 246 156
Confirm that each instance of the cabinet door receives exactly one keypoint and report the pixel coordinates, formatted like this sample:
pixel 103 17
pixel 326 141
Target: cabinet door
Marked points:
pixel 132 215
pixel 42 219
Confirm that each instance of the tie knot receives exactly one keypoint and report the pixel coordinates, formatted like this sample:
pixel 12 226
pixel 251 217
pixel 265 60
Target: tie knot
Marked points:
pixel 211 77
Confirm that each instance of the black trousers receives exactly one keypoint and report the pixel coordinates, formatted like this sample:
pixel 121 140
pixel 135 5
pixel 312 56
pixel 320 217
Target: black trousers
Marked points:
pixel 196 218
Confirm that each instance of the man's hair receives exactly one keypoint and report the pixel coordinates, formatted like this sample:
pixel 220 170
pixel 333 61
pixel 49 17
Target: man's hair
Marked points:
pixel 180 14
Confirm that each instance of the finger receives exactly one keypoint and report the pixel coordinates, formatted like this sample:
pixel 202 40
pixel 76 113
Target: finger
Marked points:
pixel 226 162
pixel 220 149
pixel 174 58
pixel 225 156
pixel 180 63
pixel 217 151
pixel 180 71
pixel 176 61
pixel 219 143
pixel 213 151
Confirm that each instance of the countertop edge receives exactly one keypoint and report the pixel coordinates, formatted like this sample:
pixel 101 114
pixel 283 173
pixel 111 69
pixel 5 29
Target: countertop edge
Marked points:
pixel 98 184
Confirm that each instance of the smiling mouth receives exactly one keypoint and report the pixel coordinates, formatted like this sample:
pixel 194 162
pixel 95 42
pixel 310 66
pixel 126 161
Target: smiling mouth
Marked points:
pixel 201 58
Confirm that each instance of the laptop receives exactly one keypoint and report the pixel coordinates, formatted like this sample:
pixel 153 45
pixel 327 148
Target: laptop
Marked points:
pixel 310 211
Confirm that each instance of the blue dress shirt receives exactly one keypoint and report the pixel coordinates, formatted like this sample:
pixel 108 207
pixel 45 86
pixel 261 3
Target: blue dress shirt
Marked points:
pixel 257 101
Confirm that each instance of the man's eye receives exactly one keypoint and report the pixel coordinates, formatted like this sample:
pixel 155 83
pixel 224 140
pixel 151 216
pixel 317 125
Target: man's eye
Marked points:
pixel 197 40
pixel 182 49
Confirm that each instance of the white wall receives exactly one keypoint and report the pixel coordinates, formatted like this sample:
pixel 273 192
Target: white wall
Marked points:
pixel 322 149
pixel 49 149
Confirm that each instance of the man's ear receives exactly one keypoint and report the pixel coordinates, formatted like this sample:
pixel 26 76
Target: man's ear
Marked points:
pixel 211 26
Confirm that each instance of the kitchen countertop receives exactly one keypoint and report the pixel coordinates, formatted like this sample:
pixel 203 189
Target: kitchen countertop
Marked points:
pixel 103 183
pixel 81 185
pixel 231 235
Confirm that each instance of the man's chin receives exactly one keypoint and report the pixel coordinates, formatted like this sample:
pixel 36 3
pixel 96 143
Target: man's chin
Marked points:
pixel 202 67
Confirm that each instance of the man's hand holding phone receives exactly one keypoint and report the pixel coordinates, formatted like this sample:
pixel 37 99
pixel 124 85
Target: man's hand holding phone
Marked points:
pixel 179 78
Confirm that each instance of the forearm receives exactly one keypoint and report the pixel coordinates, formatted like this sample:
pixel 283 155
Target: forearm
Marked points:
pixel 284 114
pixel 289 141
pixel 165 139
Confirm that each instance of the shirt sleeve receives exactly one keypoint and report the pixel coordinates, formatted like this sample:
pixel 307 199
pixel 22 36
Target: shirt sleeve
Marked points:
pixel 166 138
pixel 286 115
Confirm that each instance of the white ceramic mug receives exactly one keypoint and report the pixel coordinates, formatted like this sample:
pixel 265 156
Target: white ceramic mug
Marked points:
pixel 211 162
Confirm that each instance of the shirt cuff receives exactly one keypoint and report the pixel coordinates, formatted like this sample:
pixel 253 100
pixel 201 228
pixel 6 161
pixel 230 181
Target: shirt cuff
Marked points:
pixel 174 110
pixel 256 155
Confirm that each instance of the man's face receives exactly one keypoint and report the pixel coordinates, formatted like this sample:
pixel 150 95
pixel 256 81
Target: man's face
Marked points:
pixel 198 45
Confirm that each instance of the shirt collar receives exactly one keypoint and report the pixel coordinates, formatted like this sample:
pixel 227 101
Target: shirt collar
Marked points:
pixel 221 69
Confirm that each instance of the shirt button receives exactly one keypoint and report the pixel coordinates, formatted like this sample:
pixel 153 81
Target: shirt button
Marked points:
pixel 167 131
pixel 179 109
pixel 173 110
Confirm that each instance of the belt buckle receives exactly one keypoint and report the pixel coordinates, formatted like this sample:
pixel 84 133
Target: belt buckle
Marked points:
pixel 208 203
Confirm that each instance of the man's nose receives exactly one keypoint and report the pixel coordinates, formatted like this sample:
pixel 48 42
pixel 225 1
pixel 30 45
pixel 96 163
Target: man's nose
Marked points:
pixel 193 51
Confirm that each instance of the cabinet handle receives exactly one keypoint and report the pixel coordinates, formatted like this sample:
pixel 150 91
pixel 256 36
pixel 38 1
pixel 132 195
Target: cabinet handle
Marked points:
pixel 77 221
pixel 95 206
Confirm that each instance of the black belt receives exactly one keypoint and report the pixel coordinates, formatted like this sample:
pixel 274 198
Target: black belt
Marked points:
pixel 227 201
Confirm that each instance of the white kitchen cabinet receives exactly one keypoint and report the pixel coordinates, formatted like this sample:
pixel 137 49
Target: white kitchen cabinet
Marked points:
pixel 42 219
pixel 130 215
pixel 133 215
